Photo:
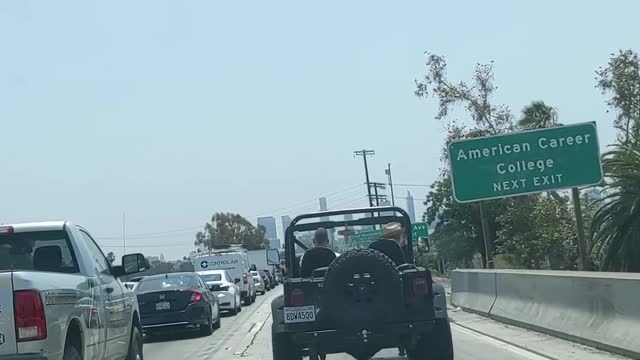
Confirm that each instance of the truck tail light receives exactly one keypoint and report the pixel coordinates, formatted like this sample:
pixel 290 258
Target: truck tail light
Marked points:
pixel 297 297
pixel 245 278
pixel 195 296
pixel 420 286
pixel 31 322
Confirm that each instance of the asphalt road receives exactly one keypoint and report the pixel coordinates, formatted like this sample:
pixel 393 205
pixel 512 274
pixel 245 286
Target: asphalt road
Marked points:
pixel 247 336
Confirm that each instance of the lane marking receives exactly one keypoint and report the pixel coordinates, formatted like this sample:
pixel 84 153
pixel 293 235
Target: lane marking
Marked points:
pixel 500 344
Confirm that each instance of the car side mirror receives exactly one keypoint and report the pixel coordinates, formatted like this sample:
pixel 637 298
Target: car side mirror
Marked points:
pixel 236 281
pixel 253 267
pixel 273 257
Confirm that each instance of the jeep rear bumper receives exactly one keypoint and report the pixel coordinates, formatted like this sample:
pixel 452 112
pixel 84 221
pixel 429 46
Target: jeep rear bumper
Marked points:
pixel 356 339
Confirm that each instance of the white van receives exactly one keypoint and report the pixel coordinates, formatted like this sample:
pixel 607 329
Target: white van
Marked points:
pixel 236 262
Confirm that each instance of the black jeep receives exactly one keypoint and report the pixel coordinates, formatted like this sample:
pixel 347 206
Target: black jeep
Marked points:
pixel 360 294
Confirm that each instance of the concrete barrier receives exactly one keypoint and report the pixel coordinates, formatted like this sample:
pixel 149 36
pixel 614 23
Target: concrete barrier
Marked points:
pixel 473 290
pixel 597 309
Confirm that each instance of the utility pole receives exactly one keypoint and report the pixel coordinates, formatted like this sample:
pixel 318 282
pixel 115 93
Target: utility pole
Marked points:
pixel 364 154
pixel 388 172
pixel 486 234
pixel 124 239
pixel 376 186
pixel 583 264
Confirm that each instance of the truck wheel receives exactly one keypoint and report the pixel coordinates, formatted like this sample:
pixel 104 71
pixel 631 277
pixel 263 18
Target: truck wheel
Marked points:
pixel 71 353
pixel 135 345
pixel 437 345
pixel 283 348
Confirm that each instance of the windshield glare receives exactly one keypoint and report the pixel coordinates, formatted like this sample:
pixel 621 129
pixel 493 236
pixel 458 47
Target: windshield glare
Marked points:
pixel 211 277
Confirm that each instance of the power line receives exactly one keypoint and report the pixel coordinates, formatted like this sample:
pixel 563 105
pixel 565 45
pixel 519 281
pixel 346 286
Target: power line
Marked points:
pixel 412 185
pixel 178 231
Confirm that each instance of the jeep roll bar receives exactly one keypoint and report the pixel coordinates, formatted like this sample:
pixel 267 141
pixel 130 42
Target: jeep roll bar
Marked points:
pixel 290 241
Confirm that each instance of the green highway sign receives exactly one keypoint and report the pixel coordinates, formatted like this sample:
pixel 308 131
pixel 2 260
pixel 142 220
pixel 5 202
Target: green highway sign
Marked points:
pixel 419 230
pixel 525 162
pixel 366 236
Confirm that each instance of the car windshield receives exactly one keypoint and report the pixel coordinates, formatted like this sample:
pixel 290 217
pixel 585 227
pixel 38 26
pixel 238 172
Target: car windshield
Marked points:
pixel 166 282
pixel 255 273
pixel 48 251
pixel 211 277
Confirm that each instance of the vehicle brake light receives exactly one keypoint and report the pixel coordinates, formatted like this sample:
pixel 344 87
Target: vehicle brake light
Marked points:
pixel 195 296
pixel 31 322
pixel 297 297
pixel 6 230
pixel 245 278
pixel 420 286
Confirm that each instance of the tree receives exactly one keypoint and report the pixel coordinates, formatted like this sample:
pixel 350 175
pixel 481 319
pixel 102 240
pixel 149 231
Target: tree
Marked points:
pixel 228 228
pixel 538 115
pixel 111 257
pixel 486 119
pixel 615 229
pixel 620 79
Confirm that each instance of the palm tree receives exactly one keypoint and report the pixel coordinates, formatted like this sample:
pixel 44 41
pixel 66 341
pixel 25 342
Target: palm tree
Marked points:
pixel 538 115
pixel 615 228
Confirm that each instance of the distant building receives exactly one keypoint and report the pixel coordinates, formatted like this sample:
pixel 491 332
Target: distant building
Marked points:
pixel 153 259
pixel 411 210
pixel 286 221
pixel 386 202
pixel 323 207
pixel 274 244
pixel 269 223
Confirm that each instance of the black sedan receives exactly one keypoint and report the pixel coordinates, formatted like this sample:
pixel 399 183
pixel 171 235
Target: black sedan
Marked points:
pixel 177 300
pixel 272 277
pixel 268 285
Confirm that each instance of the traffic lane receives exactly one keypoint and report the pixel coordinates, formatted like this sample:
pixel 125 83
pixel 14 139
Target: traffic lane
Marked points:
pixel 230 339
pixel 468 345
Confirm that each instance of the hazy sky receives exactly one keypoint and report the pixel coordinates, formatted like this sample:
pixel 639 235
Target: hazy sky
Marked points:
pixel 170 111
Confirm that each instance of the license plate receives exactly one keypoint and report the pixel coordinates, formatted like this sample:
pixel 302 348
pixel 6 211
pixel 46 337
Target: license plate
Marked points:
pixel 298 314
pixel 164 305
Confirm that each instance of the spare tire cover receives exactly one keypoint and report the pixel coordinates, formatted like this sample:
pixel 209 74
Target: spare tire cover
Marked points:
pixel 361 286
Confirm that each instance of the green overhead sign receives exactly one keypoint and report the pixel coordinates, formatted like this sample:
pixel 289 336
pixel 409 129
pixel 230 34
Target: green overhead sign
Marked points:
pixel 366 236
pixel 419 230
pixel 525 162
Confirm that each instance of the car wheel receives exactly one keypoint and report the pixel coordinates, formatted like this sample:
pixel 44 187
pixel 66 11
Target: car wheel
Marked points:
pixel 218 322
pixel 255 295
pixel 436 345
pixel 71 353
pixel 234 311
pixel 283 348
pixel 135 345
pixel 207 329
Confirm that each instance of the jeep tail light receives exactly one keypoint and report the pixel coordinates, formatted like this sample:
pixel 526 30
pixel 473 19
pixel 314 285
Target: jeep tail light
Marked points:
pixel 195 296
pixel 245 278
pixel 420 286
pixel 6 230
pixel 31 322
pixel 297 297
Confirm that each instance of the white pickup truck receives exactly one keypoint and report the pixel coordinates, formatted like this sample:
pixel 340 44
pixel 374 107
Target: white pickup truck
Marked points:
pixel 60 298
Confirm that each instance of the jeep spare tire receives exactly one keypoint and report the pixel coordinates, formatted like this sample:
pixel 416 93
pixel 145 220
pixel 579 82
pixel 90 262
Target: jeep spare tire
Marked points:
pixel 361 286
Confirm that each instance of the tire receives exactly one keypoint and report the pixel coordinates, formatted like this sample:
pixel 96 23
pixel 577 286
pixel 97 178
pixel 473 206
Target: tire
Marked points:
pixel 283 349
pixel 71 353
pixel 206 330
pixel 218 322
pixel 234 311
pixel 255 295
pixel 437 345
pixel 364 300
pixel 263 292
pixel 135 345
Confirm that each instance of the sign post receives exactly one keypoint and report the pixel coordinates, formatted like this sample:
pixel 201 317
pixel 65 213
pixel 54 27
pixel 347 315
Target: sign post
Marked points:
pixel 523 163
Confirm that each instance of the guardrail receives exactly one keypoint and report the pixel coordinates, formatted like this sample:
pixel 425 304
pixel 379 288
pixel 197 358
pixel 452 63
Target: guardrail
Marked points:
pixel 596 309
